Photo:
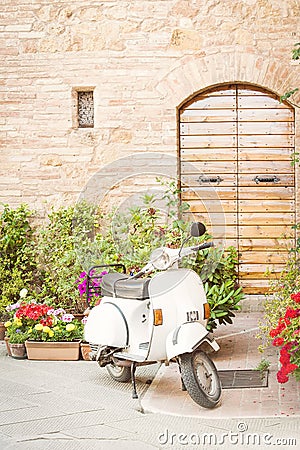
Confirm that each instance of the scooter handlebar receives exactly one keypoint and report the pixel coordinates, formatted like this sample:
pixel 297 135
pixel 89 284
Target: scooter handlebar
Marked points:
pixel 202 246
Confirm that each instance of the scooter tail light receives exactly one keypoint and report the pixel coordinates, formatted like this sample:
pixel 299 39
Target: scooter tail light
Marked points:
pixel 157 317
pixel 206 309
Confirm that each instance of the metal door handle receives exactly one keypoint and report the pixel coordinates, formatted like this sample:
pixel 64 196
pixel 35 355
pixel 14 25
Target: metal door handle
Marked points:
pixel 258 179
pixel 210 180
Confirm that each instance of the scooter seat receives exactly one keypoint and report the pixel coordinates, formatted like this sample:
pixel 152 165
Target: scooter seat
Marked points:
pixel 120 285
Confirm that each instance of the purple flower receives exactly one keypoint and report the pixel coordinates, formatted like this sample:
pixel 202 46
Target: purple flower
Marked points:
pixel 67 317
pixel 13 307
pixel 59 311
pixel 18 330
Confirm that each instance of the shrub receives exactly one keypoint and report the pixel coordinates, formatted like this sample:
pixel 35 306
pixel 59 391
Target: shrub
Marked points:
pixel 18 268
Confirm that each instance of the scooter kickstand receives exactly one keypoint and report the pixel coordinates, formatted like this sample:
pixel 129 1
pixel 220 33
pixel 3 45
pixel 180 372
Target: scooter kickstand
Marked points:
pixel 133 368
pixel 183 388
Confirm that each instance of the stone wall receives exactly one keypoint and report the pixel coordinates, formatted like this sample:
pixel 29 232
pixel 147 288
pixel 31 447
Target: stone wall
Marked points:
pixel 143 59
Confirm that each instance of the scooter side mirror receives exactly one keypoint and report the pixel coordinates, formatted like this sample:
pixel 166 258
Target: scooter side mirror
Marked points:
pixel 197 229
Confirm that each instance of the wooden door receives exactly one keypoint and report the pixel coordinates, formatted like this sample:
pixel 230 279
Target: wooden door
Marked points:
pixel 236 144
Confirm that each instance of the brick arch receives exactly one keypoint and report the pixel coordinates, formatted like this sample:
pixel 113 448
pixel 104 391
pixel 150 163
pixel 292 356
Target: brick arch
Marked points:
pixel 197 72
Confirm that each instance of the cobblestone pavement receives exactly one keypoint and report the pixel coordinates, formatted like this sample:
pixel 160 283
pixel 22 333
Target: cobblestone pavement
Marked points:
pixel 76 405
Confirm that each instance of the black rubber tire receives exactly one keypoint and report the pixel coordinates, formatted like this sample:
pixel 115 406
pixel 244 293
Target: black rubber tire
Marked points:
pixel 200 378
pixel 118 373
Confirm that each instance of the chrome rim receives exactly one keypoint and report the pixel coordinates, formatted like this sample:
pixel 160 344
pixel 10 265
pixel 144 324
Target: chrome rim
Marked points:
pixel 116 369
pixel 205 376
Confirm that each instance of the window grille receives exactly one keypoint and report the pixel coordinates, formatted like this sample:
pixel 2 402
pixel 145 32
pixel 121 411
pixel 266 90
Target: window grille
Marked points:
pixel 85 102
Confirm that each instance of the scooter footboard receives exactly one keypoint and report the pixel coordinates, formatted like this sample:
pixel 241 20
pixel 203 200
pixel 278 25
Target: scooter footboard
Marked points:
pixel 186 338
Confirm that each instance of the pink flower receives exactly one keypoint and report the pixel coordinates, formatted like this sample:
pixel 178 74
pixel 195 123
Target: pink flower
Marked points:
pixel 67 317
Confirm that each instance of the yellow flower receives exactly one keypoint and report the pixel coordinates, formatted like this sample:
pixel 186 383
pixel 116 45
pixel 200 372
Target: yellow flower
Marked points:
pixel 7 324
pixel 17 321
pixel 38 327
pixel 30 330
pixel 70 327
pixel 56 328
pixel 46 329
pixel 51 333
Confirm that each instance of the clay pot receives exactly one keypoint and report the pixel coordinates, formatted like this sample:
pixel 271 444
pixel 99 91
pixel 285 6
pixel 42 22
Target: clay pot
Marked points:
pixel 2 331
pixel 85 351
pixel 18 351
pixel 53 351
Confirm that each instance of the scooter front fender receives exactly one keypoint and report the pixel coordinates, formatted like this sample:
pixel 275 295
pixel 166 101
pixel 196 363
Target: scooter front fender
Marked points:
pixel 186 338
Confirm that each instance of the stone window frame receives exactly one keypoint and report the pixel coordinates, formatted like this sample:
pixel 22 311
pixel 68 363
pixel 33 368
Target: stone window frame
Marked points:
pixel 75 106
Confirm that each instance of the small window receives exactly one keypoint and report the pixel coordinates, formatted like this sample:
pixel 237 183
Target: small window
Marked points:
pixel 85 109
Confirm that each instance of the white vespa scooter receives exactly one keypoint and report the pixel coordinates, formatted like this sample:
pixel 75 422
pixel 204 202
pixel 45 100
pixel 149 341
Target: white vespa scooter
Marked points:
pixel 148 320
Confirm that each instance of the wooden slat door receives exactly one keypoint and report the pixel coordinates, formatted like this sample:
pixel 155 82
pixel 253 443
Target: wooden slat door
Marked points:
pixel 236 144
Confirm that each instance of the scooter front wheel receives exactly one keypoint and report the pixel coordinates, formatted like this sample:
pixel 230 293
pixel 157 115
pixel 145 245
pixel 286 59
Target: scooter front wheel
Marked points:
pixel 119 373
pixel 200 378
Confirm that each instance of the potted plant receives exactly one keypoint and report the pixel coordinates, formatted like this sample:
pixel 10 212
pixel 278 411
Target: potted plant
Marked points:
pixel 17 334
pixel 54 335
pixel 48 333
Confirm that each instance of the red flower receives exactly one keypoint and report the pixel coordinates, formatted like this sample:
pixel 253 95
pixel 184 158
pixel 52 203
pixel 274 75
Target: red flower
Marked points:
pixel 278 342
pixel 284 358
pixel 274 332
pixel 296 297
pixel 282 377
pixel 291 313
pixel 290 368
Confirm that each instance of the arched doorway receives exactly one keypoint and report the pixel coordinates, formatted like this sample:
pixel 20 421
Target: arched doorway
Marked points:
pixel 237 141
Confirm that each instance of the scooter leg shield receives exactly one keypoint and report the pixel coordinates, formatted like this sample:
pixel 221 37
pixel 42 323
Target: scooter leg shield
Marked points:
pixel 106 326
pixel 186 338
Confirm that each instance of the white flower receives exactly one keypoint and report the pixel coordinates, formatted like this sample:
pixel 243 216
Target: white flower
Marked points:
pixel 23 292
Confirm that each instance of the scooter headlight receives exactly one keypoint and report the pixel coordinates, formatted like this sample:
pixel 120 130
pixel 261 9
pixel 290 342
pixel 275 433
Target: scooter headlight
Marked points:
pixel 160 259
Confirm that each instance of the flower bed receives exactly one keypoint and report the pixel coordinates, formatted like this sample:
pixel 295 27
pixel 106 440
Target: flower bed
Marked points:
pixel 286 336
pixel 39 322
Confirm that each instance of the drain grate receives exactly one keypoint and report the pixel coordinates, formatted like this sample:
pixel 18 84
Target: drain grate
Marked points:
pixel 243 379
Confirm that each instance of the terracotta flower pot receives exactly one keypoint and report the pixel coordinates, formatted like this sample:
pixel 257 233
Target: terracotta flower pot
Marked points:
pixel 18 351
pixel 53 351
pixel 2 331
pixel 6 339
pixel 85 351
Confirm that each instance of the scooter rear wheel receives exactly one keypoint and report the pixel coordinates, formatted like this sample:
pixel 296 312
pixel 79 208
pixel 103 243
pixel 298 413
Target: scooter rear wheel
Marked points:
pixel 119 373
pixel 201 378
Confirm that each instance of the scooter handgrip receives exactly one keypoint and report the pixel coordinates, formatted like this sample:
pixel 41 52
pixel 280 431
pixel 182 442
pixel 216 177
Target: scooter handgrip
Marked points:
pixel 203 246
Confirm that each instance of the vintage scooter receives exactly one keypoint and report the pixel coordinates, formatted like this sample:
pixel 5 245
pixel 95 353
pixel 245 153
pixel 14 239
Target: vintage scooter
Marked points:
pixel 162 318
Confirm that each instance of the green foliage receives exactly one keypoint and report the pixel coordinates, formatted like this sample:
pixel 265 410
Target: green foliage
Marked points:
pixel 68 231
pixel 220 283
pixel 263 365
pixel 16 331
pixel 288 94
pixel 61 331
pixel 132 235
pixel 295 56
pixel 296 51
pixel 17 252
pixel 279 298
